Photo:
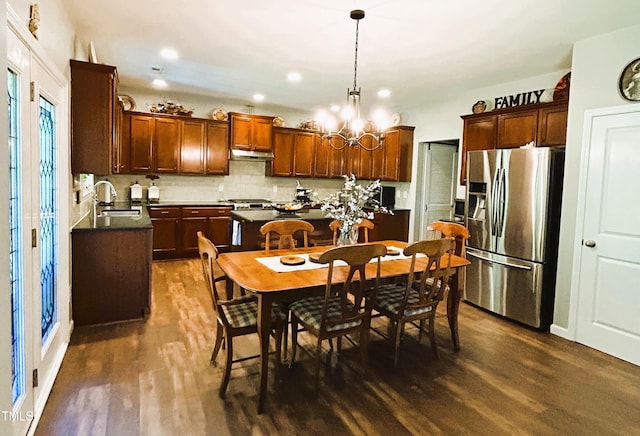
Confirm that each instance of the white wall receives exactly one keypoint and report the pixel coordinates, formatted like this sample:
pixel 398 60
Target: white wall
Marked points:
pixel 597 64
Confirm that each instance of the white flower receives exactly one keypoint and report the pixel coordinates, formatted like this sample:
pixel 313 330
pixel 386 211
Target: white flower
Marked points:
pixel 350 202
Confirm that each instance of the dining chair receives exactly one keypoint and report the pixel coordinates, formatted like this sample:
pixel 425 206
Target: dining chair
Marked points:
pixel 406 302
pixel 236 316
pixel 344 309
pixel 285 229
pixel 452 230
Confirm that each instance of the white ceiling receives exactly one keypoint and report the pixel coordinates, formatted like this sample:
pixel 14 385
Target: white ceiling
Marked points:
pixel 417 48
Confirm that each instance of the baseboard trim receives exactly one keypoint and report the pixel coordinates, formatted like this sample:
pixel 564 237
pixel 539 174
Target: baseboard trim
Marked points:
pixel 562 332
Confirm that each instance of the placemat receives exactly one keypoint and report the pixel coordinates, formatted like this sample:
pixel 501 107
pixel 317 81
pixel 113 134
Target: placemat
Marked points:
pixel 273 262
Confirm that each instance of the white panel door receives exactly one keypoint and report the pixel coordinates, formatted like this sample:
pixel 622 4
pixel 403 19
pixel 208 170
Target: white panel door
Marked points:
pixel 609 273
pixel 439 184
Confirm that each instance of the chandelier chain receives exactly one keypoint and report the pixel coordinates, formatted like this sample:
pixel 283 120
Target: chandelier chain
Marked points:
pixel 355 63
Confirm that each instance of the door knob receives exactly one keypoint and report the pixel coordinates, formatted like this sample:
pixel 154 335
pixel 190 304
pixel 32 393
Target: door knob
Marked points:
pixel 590 243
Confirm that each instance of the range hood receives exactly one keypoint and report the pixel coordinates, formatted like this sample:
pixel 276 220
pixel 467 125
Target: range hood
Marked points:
pixel 251 155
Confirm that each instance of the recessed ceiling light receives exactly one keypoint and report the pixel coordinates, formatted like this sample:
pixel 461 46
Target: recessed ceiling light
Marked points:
pixel 258 97
pixel 335 108
pixel 294 76
pixel 160 83
pixel 169 53
pixel 384 93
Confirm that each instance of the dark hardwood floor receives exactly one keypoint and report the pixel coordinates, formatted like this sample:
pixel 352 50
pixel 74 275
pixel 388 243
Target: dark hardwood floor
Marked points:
pixel 154 378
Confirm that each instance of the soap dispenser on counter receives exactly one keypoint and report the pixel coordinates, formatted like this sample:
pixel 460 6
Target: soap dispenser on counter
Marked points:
pixel 135 192
pixel 153 193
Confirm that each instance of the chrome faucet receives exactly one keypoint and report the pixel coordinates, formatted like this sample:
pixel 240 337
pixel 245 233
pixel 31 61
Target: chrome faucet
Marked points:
pixel 95 194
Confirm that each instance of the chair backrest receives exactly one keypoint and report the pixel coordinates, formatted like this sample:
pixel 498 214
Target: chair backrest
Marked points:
pixel 452 230
pixel 356 257
pixel 208 255
pixel 364 224
pixel 434 278
pixel 285 229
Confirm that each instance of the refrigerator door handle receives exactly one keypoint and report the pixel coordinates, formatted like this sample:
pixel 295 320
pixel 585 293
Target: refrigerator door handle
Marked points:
pixel 494 203
pixel 501 194
pixel 511 265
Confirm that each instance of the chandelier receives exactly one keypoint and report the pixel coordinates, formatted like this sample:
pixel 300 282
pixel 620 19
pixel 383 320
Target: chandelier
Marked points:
pixel 351 131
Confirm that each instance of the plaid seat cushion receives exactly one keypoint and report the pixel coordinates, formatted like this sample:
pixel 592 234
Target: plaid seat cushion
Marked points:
pixel 309 311
pixel 389 298
pixel 245 314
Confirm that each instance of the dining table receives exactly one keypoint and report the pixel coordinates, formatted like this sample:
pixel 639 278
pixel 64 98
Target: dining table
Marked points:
pixel 261 273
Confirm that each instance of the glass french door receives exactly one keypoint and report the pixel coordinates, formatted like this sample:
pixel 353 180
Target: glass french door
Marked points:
pixel 37 101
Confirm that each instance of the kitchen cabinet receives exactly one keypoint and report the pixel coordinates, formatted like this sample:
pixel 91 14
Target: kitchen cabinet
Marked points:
pixel 175 229
pixel 398 152
pixel 213 222
pixel 156 143
pixel 217 148
pixel 552 125
pixel 545 124
pixel 111 275
pixel 94 118
pixel 251 132
pixel 166 231
pixel 294 152
pixel 139 129
pixel 192 143
pixel 166 141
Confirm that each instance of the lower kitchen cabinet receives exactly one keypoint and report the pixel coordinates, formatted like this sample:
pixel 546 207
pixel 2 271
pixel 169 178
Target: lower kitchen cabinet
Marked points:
pixel 175 229
pixel 166 231
pixel 213 222
pixel 111 275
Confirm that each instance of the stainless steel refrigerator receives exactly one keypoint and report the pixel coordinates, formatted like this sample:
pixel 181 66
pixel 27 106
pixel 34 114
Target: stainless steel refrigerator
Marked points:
pixel 512 207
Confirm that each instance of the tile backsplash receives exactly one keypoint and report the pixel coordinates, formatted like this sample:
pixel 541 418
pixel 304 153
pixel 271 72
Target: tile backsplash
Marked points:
pixel 246 180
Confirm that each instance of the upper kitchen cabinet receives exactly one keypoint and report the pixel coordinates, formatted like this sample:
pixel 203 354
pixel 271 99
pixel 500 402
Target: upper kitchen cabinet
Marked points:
pixel 156 143
pixel 95 112
pixel 217 148
pixel 552 125
pixel 397 151
pixel 251 132
pixel 166 145
pixel 294 152
pixel 545 124
pixel 153 143
pixel 192 141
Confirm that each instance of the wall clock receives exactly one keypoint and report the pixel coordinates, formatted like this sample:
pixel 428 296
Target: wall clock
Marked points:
pixel 629 83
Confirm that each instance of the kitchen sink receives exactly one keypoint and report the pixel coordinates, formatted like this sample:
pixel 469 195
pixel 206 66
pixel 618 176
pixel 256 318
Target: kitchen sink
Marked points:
pixel 120 212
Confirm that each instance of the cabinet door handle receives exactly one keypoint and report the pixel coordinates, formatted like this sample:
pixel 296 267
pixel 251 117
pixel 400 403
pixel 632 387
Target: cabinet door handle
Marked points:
pixel 164 212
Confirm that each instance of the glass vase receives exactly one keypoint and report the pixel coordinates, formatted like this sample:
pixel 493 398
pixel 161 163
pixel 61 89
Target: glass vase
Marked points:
pixel 348 235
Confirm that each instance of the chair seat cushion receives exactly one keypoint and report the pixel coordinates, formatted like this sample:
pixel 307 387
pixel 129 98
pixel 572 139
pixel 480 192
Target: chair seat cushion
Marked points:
pixel 245 314
pixel 389 298
pixel 309 311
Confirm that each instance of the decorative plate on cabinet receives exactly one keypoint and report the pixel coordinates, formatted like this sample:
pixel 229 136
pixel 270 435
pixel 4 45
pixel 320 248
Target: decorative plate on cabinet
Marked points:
pixel 395 119
pixel 219 115
pixel 128 101
pixel 278 122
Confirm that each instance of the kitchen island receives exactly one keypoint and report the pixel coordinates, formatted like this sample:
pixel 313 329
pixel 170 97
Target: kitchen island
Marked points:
pixel 111 267
pixel 246 226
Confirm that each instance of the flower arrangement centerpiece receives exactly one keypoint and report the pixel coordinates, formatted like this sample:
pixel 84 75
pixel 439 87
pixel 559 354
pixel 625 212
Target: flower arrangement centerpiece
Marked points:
pixel 350 205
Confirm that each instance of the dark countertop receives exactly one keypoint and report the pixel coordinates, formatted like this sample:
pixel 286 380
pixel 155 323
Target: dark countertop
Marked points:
pixel 219 203
pixel 264 215
pixel 115 222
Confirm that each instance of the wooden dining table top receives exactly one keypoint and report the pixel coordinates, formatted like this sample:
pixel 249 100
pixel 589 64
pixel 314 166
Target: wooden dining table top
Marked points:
pixel 244 269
